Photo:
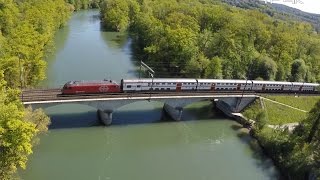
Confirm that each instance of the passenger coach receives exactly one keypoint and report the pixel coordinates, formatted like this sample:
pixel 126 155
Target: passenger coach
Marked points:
pixel 159 84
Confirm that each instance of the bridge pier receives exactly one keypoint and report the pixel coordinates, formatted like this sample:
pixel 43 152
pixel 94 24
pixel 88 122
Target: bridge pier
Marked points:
pixel 233 104
pixel 105 116
pixel 174 112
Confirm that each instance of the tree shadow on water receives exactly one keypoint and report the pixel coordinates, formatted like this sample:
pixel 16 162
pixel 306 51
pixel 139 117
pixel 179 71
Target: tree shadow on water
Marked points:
pixel 74 120
pixel 90 118
pixel 262 161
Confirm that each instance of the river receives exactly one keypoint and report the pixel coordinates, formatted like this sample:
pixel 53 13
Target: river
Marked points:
pixel 141 144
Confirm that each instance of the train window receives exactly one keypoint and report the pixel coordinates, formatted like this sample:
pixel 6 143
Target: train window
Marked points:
pixel 157 89
pixel 138 86
pixel 128 86
pixel 149 84
pixel 163 83
pixel 162 88
pixel 218 83
pixel 168 89
pixel 157 83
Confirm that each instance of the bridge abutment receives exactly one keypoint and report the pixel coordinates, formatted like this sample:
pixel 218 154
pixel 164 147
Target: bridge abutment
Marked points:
pixel 105 116
pixel 233 104
pixel 174 112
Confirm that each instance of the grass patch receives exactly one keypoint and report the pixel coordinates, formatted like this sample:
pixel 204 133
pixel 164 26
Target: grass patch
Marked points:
pixel 303 102
pixel 278 114
pixel 253 110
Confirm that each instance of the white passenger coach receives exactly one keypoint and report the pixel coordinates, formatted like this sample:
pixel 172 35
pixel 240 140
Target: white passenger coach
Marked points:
pixel 170 84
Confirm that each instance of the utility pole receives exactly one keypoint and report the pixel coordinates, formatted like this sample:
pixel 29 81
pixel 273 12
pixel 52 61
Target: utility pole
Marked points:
pixel 150 70
pixel 151 73
pixel 20 69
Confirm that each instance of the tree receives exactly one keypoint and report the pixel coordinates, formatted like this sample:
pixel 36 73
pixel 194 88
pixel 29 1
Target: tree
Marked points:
pixel 214 68
pixel 115 15
pixel 268 68
pixel 298 70
pixel 197 66
pixel 18 129
pixel 312 123
pixel 261 120
pixel 280 76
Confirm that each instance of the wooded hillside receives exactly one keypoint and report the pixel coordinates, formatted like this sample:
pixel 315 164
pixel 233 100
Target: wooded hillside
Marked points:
pixel 208 39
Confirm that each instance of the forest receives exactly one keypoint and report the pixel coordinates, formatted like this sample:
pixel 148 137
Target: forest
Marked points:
pixel 209 39
pixel 278 11
pixel 27 29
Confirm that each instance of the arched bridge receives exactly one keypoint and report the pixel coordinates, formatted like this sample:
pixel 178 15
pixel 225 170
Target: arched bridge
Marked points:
pixel 174 102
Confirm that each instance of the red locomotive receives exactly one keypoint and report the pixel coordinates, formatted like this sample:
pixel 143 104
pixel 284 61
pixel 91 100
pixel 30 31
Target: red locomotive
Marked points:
pixel 90 87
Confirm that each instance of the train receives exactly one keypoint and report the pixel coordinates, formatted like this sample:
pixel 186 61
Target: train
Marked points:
pixel 182 85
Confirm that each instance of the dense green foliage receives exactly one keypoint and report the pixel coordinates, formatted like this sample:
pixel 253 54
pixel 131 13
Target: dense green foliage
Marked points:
pixel 278 11
pixel 18 128
pixel 192 38
pixel 84 4
pixel 26 32
pixel 296 153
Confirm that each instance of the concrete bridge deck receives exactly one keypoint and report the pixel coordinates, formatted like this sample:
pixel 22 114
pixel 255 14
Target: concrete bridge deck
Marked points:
pixel 174 102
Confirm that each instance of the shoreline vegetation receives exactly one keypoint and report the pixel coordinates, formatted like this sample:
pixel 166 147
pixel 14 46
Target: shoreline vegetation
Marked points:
pixel 295 152
pixel 27 29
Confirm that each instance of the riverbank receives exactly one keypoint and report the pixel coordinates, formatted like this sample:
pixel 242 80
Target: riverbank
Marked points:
pixel 293 150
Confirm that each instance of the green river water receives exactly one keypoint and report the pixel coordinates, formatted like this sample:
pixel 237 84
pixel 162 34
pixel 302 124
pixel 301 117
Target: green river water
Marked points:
pixel 141 144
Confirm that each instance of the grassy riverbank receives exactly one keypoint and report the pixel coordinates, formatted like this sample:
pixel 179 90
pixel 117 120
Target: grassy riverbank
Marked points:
pixel 296 154
pixel 302 102
pixel 281 114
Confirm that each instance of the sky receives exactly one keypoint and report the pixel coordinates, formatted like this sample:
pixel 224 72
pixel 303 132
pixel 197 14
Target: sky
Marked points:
pixel 312 6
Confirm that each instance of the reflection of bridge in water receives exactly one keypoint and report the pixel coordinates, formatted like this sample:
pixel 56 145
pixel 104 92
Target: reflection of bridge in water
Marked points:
pixel 174 102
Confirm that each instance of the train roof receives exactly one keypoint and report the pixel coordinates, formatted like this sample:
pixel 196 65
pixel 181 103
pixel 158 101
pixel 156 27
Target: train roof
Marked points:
pixel 223 81
pixel 305 84
pixel 92 82
pixel 271 82
pixel 159 80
